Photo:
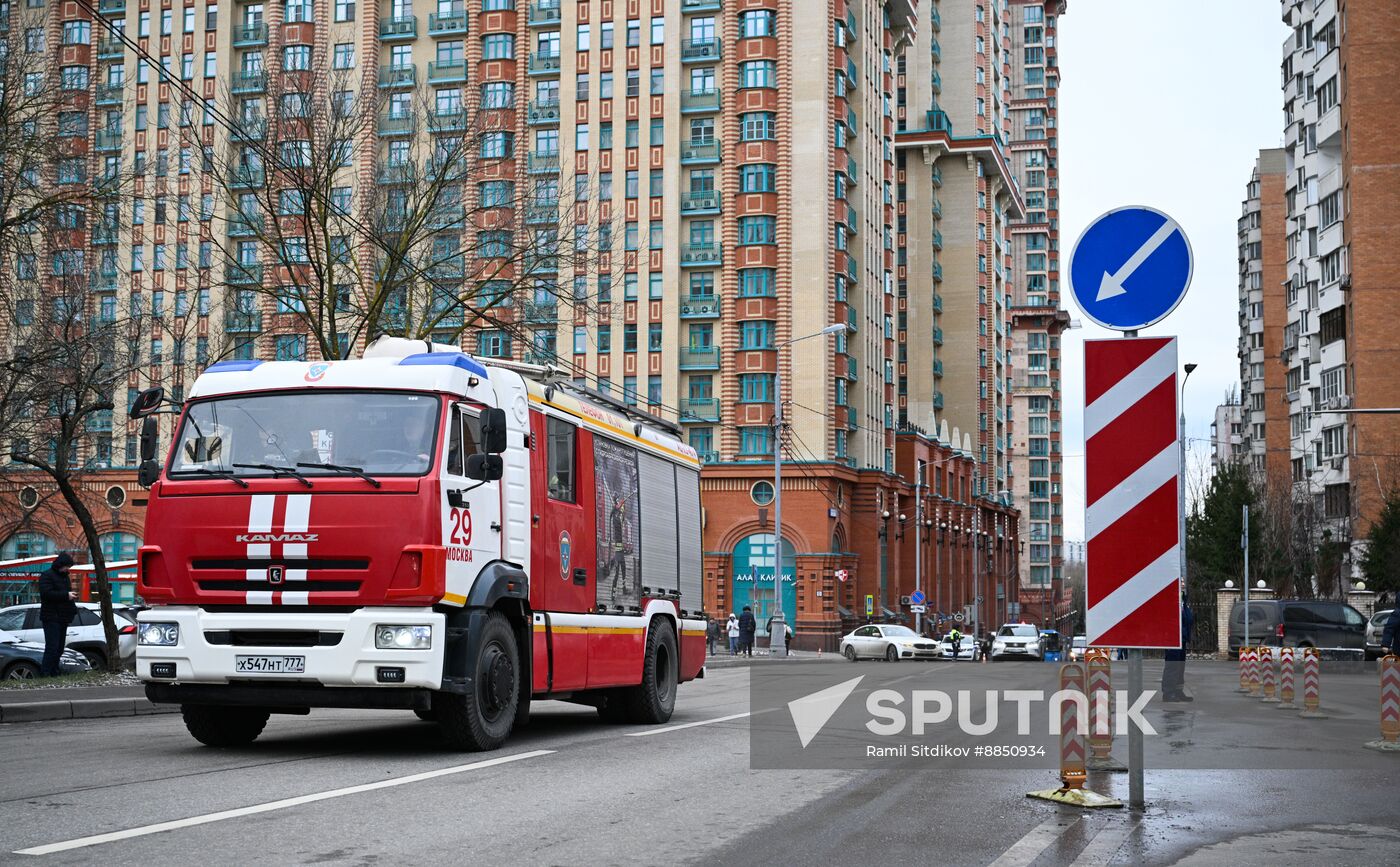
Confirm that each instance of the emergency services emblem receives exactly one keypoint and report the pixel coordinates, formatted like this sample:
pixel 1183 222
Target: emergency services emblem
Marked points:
pixel 275 574
pixel 565 550
pixel 316 371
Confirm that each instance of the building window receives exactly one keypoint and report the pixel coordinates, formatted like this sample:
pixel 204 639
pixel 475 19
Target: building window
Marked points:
pixel 758 73
pixel 757 178
pixel 756 126
pixel 755 440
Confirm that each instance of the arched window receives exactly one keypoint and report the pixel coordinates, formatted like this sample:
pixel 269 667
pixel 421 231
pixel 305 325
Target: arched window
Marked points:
pixel 119 546
pixel 22 545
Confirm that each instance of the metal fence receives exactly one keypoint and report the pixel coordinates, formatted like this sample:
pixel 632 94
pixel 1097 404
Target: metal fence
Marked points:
pixel 1204 629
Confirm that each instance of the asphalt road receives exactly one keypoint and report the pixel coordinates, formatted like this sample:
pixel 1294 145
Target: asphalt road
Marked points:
pixel 376 787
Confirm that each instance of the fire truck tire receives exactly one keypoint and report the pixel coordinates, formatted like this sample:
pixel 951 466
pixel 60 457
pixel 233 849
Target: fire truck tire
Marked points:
pixel 653 700
pixel 481 719
pixel 223 726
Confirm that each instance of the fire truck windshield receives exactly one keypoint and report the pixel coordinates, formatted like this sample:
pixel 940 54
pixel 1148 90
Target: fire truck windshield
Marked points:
pixel 379 433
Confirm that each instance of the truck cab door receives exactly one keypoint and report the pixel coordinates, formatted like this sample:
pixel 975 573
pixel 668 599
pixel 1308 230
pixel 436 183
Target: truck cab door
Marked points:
pixel 471 510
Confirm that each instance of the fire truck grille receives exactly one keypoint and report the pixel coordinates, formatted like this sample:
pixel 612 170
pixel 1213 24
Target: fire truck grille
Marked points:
pixel 241 564
pixel 311 585
pixel 272 637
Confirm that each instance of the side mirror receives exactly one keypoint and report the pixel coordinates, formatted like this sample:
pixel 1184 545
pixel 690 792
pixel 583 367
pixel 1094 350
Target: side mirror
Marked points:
pixel 493 431
pixel 148 437
pixel 485 468
pixel 146 402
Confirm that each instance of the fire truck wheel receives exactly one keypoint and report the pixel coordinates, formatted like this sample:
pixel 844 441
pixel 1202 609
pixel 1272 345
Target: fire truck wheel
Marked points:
pixel 224 726
pixel 653 700
pixel 482 718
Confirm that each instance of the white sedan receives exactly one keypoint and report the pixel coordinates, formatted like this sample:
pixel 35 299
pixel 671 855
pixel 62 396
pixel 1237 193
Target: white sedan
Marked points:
pixel 85 633
pixel 891 643
pixel 1019 640
pixel 967 648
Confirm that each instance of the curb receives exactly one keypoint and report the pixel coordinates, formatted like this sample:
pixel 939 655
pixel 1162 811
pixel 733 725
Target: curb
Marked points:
pixel 86 708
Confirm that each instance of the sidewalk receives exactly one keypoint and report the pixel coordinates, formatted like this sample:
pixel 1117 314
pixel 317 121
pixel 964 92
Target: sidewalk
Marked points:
pixel 76 702
pixel 722 659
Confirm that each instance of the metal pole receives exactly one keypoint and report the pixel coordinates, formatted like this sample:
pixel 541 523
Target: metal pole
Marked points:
pixel 919 540
pixel 777 636
pixel 1181 477
pixel 1136 801
pixel 1244 543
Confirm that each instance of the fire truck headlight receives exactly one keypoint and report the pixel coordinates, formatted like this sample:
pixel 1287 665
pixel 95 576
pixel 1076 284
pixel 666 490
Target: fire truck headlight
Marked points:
pixel 394 637
pixel 160 634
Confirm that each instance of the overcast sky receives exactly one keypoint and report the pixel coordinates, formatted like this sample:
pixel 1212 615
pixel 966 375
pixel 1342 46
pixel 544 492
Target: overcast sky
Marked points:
pixel 1165 105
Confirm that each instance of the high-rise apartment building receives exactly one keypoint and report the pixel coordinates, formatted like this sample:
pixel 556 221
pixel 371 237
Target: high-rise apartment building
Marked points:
pixel 1341 164
pixel 1263 437
pixel 701 186
pixel 1037 319
pixel 1227 438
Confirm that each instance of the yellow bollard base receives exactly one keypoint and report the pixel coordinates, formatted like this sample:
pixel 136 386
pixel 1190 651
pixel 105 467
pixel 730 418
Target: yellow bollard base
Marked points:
pixel 1075 798
pixel 1104 763
pixel 1269 700
pixel 1384 746
pixel 1314 714
pixel 1287 706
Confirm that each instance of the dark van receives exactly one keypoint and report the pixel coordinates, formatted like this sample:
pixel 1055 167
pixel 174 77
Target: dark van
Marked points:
pixel 1298 623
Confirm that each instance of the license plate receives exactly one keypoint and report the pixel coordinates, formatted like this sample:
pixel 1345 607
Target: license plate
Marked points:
pixel 270 664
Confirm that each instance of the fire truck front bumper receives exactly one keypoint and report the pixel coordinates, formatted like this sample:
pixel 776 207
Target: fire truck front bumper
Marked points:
pixel 369 648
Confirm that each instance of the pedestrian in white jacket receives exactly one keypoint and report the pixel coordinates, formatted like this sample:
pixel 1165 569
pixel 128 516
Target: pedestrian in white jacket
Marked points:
pixel 732 628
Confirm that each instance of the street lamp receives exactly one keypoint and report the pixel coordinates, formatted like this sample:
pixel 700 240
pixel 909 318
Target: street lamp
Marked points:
pixel 777 635
pixel 1181 478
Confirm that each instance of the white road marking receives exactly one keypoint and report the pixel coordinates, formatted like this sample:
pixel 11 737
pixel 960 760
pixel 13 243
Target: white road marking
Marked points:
pixel 98 839
pixel 1029 847
pixel 1104 845
pixel 676 728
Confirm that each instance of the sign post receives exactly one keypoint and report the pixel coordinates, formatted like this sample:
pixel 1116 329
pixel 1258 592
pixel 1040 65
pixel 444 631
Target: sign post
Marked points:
pixel 1129 269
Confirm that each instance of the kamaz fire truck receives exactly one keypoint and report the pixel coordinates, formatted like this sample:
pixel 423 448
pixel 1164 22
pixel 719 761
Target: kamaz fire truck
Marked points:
pixel 415 529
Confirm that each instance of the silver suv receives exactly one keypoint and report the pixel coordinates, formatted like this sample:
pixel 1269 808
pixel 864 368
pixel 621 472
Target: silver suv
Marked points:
pixel 1375 628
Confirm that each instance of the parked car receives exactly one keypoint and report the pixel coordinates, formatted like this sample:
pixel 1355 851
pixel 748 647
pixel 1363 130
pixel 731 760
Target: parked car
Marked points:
pixel 20 660
pixel 1018 640
pixel 1374 630
pixel 967 648
pixel 1078 648
pixel 1298 623
pixel 888 642
pixel 85 633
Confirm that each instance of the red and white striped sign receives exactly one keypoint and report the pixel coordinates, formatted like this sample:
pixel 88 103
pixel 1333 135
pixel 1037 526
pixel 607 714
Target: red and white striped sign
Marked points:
pixel 1132 468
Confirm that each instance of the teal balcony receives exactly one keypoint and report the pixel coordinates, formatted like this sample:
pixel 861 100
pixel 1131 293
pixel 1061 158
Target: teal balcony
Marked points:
pixel 242 321
pixel 447 217
pixel 938 367
pixel 394 77
pixel 937 240
pixel 543 163
pixel 698 50
pixel 542 310
pixel 104 281
pixel 250 35
pixel 937 82
pixel 404 125
pixel 447 24
pixel 400 174
pixel 109 94
pixel 700 307
pixel 245 227
pixel 701 5
pixel 938 337
pixel 398 27
pixel 696 101
pixel 695 152
pixel 700 202
pixel 544 13
pixel 541 263
pixel 249 82
pixel 446 73
pixel 935 19
pixel 108 140
pixel 542 357
pixel 938 271
pixel 544 64
pixel 695 409
pixel 695 255
pixel 708 456
pixel 110 49
pixel 938 400
pixel 699 358
pixel 937 176
pixel 938 303
pixel 245 178
pixel 543 212
pixel 544 111
pixel 104 234
pixel 250 129
pixel 247 274
pixel 447 120
pixel 112 7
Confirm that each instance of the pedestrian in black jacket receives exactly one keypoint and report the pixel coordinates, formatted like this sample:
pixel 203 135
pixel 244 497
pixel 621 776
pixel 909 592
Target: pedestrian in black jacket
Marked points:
pixel 56 611
pixel 747 627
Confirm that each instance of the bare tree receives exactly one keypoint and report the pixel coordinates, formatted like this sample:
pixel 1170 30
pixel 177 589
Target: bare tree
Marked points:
pixel 355 210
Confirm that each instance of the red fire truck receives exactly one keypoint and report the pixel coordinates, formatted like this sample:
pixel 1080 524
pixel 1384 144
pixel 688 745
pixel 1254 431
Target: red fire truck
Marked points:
pixel 415 529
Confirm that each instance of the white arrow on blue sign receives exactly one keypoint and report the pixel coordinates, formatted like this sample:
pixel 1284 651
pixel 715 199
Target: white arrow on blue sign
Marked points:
pixel 1130 268
pixel 917 597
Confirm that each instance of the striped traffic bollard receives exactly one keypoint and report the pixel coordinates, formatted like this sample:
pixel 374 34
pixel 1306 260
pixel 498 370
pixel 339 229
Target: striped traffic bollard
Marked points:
pixel 1101 714
pixel 1073 694
pixel 1390 705
pixel 1266 675
pixel 1312 686
pixel 1244 668
pixel 1285 677
pixel 1254 671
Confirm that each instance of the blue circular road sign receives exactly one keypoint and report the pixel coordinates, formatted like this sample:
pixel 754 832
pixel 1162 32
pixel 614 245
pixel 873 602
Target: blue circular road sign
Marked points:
pixel 1130 268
